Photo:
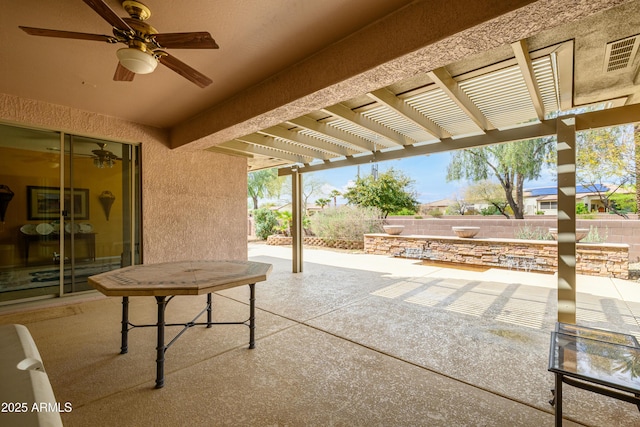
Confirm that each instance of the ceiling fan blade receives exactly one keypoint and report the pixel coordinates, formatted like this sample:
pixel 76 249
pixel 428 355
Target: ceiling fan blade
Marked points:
pixel 108 15
pixel 67 34
pixel 122 74
pixel 184 70
pixel 194 40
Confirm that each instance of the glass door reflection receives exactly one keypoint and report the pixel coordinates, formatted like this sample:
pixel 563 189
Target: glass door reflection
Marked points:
pixel 96 216
pixel 68 209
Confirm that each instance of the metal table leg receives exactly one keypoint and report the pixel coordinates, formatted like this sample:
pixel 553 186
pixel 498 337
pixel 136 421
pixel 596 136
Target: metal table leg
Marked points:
pixel 162 303
pixel 252 315
pixel 124 346
pixel 558 400
pixel 209 310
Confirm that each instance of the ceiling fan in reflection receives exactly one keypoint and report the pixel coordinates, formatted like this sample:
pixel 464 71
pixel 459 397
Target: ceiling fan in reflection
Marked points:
pixel 103 158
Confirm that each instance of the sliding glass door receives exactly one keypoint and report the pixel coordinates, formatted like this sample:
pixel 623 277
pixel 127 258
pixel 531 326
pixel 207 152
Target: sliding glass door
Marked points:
pixel 69 209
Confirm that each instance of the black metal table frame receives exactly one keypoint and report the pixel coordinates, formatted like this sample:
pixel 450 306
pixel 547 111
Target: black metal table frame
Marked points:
pixel 581 382
pixel 557 394
pixel 161 348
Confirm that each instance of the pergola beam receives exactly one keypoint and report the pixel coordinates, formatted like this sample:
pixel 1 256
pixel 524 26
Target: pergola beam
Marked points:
pixel 538 130
pixel 271 142
pixel 264 151
pixel 333 132
pixel 387 98
pixel 306 140
pixel 521 52
pixel 444 81
pixel 345 113
pixel 610 117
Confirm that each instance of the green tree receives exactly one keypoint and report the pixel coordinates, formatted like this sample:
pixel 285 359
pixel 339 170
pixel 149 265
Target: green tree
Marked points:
pixel 390 192
pixel 511 164
pixel 263 183
pixel 323 202
pixel 488 192
pixel 334 195
pixel 605 162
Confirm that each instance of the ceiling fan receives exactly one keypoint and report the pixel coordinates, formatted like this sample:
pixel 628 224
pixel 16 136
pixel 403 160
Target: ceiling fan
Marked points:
pixel 144 44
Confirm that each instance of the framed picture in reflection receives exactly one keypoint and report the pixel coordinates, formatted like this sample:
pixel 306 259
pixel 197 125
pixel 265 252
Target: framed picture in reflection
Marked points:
pixel 45 203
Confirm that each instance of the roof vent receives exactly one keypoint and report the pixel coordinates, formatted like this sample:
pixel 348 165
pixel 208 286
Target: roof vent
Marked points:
pixel 619 54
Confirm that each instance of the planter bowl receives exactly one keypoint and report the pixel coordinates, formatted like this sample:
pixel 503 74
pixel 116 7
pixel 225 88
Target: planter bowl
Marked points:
pixel 393 229
pixel 466 232
pixel 581 233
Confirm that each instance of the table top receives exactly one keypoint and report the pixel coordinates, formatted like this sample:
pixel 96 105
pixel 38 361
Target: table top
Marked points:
pixel 597 334
pixel 601 362
pixel 179 278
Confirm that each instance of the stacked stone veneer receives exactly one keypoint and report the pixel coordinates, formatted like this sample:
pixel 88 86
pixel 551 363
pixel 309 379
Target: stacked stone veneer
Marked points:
pixel 595 259
pixel 316 241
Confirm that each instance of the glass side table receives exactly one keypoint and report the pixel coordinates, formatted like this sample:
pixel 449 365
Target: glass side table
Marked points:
pixel 597 334
pixel 602 362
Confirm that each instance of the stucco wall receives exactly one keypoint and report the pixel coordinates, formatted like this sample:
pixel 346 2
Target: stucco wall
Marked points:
pixel 194 203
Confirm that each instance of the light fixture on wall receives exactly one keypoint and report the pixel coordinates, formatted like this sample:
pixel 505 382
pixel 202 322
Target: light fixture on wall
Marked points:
pixel 106 200
pixel 103 158
pixel 5 197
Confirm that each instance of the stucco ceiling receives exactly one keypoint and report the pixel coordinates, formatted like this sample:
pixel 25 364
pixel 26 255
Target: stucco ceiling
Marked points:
pixel 257 39
pixel 281 62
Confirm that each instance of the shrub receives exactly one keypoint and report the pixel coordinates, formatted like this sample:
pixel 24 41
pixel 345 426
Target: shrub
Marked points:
pixel 624 202
pixel 436 213
pixel 266 222
pixel 284 222
pixel 489 210
pixel 403 212
pixel 581 208
pixel 594 235
pixel 346 222
pixel 527 232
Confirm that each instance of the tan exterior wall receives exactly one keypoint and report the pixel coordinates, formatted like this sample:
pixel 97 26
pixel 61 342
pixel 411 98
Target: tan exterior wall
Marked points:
pixel 194 203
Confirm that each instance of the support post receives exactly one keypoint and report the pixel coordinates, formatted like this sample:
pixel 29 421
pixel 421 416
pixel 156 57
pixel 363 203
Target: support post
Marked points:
pixel 297 212
pixel 566 219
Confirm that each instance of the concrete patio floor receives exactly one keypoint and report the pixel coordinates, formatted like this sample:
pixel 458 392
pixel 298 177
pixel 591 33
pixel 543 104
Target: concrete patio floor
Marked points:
pixel 353 340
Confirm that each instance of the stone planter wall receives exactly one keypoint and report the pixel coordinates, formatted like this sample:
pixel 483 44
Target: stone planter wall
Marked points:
pixel 316 241
pixel 616 230
pixel 595 259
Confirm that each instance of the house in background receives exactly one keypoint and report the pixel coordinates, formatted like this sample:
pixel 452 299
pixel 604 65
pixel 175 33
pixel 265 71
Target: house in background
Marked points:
pixel 545 199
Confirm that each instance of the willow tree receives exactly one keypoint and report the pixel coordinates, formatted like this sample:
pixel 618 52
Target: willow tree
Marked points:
pixel 511 164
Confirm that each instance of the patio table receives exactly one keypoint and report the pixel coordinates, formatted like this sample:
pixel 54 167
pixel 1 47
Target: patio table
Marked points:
pixel 164 281
pixel 596 360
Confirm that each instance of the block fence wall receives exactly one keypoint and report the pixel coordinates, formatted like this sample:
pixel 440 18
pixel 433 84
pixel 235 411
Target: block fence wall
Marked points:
pixel 625 231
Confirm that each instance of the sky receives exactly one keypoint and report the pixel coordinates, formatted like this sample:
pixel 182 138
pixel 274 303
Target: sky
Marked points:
pixel 428 172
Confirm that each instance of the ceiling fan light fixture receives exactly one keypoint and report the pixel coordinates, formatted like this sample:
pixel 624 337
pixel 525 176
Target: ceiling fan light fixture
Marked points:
pixel 136 60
